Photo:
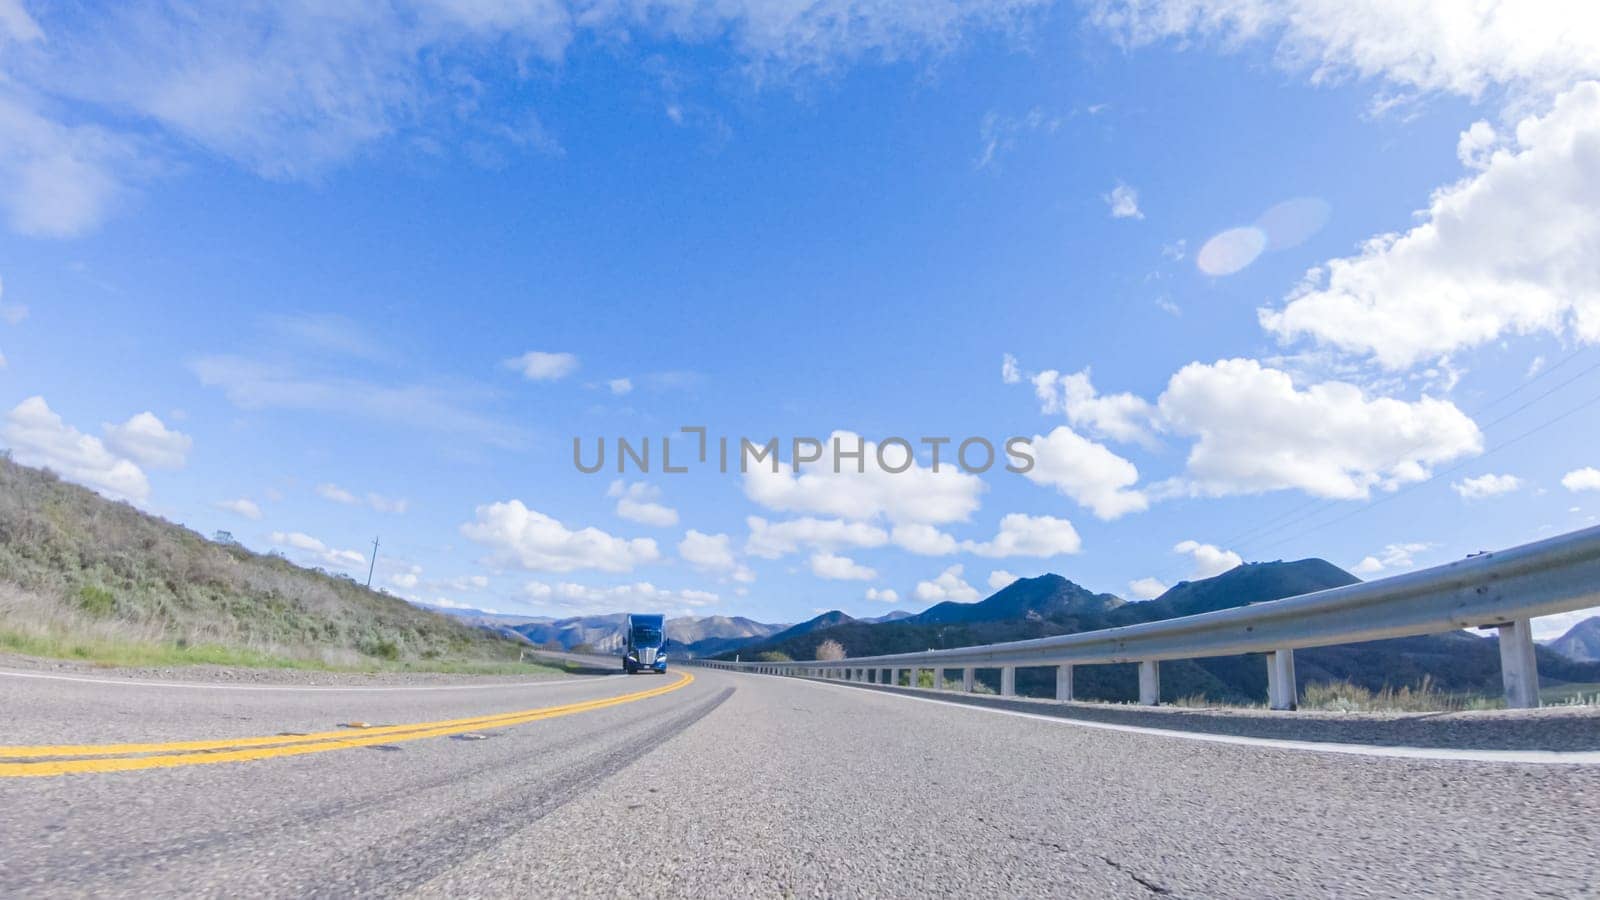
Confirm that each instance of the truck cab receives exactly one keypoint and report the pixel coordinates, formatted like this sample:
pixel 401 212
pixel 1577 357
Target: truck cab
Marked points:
pixel 643 644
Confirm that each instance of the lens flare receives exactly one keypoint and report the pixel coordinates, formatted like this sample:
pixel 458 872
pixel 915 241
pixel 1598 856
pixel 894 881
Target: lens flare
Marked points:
pixel 1231 250
pixel 1293 222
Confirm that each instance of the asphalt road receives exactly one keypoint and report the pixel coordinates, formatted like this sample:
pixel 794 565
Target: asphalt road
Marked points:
pixel 731 785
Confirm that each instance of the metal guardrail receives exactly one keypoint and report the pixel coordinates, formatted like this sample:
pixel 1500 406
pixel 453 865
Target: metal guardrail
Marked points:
pixel 1503 590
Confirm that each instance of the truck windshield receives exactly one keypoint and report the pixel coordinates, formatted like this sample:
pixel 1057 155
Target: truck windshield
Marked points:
pixel 646 635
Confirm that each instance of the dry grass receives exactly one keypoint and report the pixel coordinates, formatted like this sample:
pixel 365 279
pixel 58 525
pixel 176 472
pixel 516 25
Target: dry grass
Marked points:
pixel 1423 697
pixel 85 578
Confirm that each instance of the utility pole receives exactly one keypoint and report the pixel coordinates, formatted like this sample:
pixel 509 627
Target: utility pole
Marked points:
pixel 374 564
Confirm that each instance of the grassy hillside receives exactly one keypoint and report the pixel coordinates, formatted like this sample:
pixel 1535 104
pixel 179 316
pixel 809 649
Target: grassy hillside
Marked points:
pixel 84 577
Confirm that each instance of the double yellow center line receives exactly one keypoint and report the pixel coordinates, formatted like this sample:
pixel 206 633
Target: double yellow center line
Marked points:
pixel 68 759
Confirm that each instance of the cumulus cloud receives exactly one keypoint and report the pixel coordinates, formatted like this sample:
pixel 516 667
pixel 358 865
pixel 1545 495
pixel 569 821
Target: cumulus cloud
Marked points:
pixel 309 547
pixel 924 540
pixel 948 585
pixel 1088 472
pixel 1434 45
pixel 1123 202
pixel 918 495
pixel 1146 588
pixel 1009 373
pixel 538 365
pixel 1256 431
pixel 637 503
pixel 771 540
pixel 1393 556
pixel 582 599
pixel 1025 535
pixel 39 437
pixel 1117 417
pixel 147 441
pixel 840 568
pixel 713 553
pixel 883 595
pixel 1000 578
pixel 1584 479
pixel 1514 249
pixel 1209 559
pixel 1487 485
pixel 241 507
pixel 518 536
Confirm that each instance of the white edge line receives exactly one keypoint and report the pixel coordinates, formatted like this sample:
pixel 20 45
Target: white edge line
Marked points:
pixel 293 687
pixel 1535 757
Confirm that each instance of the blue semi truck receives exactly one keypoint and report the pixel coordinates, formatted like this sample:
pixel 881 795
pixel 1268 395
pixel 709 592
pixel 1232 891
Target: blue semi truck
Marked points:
pixel 643 645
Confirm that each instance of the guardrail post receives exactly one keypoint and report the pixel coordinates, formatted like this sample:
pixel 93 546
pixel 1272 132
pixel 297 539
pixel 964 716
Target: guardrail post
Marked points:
pixel 894 677
pixel 968 678
pixel 1281 693
pixel 1519 666
pixel 1149 683
pixel 1008 681
pixel 938 678
pixel 1064 682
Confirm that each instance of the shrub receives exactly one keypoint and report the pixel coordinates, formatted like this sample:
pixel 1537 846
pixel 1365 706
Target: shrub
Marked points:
pixel 830 650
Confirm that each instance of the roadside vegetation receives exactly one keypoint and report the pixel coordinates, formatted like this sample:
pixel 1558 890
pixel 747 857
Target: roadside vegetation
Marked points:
pixel 86 578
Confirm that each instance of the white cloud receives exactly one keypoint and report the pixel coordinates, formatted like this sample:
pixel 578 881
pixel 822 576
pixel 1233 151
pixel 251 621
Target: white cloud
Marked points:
pixel 1025 535
pixel 1513 249
pixel 1257 432
pixel 582 599
pixel 1000 579
pixel 1124 202
pixel 38 437
pixel 1584 479
pixel 713 553
pixel 148 442
pixel 840 568
pixel 1087 472
pixel 1209 559
pixel 771 540
pixel 241 507
pixel 636 503
pixel 537 365
pixel 916 495
pixel 1119 417
pixel 317 551
pixel 1009 373
pixel 517 535
pixel 1487 485
pixel 56 180
pixel 923 540
pixel 619 386
pixel 883 595
pixel 337 494
pixel 1431 45
pixel 948 585
pixel 377 502
pixel 998 133
pixel 1393 556
pixel 291 91
pixel 1146 588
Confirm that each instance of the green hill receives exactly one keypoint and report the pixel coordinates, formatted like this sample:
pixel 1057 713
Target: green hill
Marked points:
pixel 85 577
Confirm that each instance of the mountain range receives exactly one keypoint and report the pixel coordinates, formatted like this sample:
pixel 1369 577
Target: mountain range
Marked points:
pixel 1051 605
pixel 1581 642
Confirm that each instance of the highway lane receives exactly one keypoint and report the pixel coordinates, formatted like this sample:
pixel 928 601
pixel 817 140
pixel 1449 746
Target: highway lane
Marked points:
pixel 738 785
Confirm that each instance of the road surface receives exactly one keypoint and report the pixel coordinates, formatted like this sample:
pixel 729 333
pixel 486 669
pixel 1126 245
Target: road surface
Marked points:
pixel 704 783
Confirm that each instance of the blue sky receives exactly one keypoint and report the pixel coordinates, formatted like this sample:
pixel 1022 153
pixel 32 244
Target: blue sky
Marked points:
pixel 1265 281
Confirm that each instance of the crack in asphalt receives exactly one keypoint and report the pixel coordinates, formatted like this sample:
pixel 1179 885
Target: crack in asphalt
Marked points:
pixel 1149 885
